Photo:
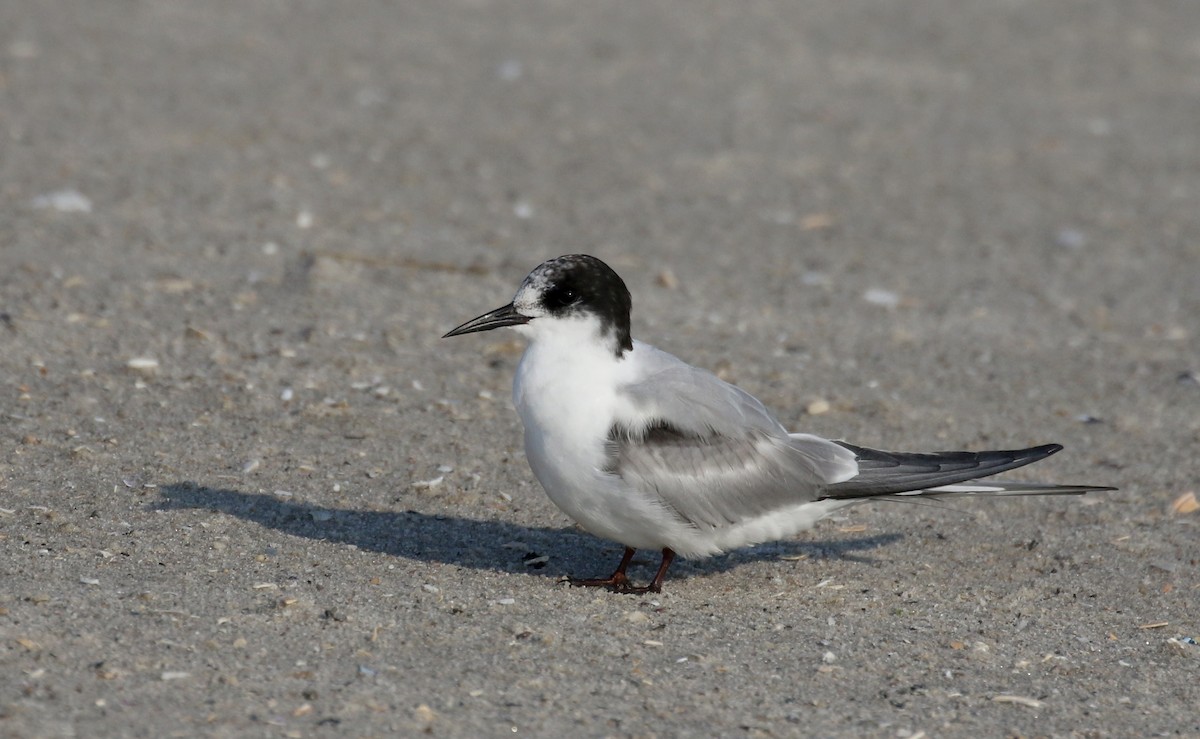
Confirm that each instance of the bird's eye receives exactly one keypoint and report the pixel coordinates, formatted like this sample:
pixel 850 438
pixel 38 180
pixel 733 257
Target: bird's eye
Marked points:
pixel 560 297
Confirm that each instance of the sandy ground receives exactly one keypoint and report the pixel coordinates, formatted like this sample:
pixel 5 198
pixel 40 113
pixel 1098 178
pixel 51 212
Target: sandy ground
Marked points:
pixel 246 490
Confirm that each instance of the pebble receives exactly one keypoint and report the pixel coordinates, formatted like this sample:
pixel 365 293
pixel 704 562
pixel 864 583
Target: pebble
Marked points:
pixel 882 298
pixel 510 70
pixel 64 201
pixel 816 222
pixel 1070 238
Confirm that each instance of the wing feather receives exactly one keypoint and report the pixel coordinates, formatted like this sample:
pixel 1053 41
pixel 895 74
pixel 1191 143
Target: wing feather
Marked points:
pixel 712 453
pixel 712 481
pixel 889 473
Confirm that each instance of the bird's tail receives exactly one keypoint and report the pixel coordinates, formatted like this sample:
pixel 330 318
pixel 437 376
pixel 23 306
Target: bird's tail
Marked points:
pixel 1004 488
pixel 945 474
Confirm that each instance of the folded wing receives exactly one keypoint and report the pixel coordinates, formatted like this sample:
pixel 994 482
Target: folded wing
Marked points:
pixel 715 456
pixel 712 480
pixel 712 453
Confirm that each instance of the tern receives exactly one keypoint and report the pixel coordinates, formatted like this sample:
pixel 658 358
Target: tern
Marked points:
pixel 639 447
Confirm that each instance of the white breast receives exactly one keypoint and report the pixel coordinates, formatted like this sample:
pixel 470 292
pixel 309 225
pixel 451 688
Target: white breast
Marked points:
pixel 565 392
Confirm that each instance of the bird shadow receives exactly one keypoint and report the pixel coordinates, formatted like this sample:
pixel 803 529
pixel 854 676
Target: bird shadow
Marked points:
pixel 494 545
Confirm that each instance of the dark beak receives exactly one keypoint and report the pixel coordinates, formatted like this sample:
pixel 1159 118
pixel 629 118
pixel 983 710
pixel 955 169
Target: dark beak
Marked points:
pixel 499 318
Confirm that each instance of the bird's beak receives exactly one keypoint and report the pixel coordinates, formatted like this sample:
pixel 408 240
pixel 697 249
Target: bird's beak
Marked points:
pixel 499 318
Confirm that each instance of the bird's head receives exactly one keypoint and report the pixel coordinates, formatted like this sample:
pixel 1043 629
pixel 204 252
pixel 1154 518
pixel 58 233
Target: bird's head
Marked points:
pixel 564 294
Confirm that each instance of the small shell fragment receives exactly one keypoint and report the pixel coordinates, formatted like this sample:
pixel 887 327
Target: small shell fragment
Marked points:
pixel 174 285
pixel 1019 700
pixel 818 407
pixel 1184 647
pixel 1185 504
pixel 144 365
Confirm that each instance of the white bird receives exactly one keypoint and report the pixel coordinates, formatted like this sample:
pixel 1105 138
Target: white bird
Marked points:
pixel 644 449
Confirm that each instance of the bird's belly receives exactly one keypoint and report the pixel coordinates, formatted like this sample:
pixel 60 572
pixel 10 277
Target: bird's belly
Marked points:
pixel 567 415
pixel 575 480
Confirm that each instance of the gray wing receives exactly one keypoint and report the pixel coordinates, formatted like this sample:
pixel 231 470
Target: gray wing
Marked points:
pixel 712 453
pixel 691 399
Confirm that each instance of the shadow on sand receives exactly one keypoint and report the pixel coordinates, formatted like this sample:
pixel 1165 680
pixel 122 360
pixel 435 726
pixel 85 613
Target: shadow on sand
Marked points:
pixel 478 544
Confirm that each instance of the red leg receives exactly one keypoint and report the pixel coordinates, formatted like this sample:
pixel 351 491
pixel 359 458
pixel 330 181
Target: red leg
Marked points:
pixel 619 582
pixel 616 580
pixel 655 585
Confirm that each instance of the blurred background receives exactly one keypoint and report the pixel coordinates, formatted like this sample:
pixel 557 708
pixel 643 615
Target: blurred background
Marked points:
pixel 232 232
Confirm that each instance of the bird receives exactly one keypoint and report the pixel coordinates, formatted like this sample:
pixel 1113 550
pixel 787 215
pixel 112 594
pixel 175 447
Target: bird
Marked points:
pixel 643 449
